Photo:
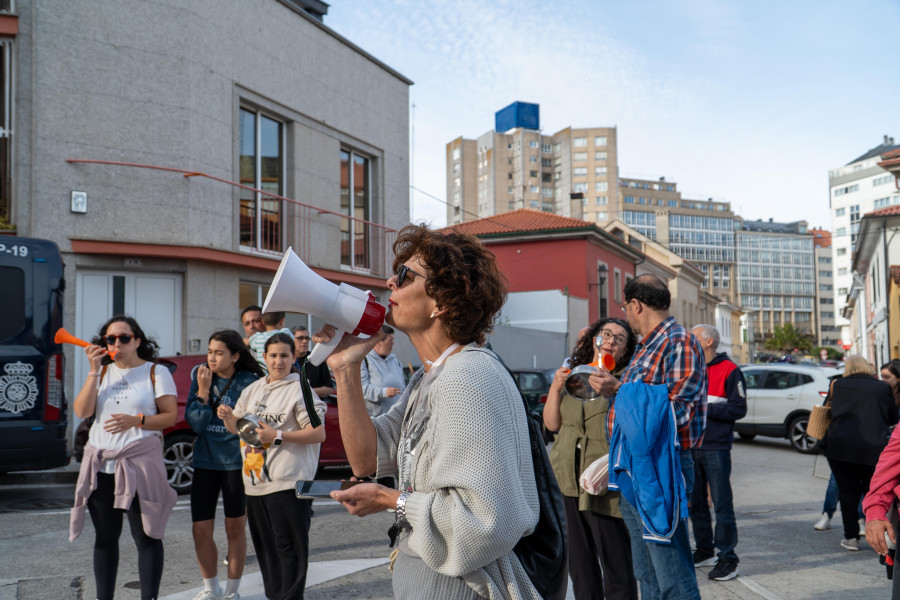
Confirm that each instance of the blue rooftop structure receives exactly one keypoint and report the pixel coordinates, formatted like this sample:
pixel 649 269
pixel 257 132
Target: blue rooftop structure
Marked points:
pixel 518 114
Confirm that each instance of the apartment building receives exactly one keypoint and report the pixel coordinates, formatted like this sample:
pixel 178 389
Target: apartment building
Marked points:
pixel 572 173
pixel 827 333
pixel 776 276
pixel 857 188
pixel 701 231
pixel 174 150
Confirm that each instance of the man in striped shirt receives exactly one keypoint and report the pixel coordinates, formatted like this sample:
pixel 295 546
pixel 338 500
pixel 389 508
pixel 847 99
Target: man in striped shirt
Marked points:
pixel 670 355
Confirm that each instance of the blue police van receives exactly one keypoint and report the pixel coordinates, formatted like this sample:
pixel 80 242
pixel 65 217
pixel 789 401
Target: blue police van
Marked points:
pixel 33 408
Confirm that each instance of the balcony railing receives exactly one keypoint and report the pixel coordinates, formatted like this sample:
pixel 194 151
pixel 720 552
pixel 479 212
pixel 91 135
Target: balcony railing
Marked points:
pixel 300 226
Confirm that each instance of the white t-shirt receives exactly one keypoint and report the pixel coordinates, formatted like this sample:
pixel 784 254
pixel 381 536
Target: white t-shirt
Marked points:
pixel 130 392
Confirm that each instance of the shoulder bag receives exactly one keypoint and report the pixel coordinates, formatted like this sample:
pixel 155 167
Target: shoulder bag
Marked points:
pixel 820 417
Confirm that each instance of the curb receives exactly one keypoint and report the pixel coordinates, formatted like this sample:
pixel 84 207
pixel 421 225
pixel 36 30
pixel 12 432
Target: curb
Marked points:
pixel 64 475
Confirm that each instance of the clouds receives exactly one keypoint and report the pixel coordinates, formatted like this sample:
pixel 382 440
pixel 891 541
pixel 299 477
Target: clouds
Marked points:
pixel 746 102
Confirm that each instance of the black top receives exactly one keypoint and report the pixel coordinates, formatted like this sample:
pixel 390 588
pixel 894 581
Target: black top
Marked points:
pixel 318 376
pixel 862 413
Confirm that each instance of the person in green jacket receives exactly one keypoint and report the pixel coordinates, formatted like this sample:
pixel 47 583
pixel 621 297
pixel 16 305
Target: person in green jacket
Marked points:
pixel 217 460
pixel 595 526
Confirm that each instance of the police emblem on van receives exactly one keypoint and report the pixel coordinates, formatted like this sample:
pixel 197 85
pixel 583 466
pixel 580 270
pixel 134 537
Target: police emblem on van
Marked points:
pixel 18 388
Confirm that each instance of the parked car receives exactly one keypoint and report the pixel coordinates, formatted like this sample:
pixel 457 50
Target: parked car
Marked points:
pixel 178 440
pixel 535 385
pixel 780 397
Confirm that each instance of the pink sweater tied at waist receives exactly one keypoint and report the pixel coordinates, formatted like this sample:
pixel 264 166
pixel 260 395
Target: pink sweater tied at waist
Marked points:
pixel 139 471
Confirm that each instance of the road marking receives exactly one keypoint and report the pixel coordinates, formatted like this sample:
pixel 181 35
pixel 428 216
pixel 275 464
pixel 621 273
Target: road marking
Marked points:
pixel 319 572
pixel 755 587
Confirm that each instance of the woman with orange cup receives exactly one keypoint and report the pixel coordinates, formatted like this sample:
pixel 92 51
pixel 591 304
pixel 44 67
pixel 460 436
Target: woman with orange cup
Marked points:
pixel 595 526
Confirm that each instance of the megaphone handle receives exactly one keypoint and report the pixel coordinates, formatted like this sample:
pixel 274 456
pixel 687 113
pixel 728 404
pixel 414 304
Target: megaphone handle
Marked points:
pixel 324 349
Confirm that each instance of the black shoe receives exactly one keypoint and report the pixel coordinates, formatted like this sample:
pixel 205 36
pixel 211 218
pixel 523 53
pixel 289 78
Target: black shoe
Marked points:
pixel 702 558
pixel 724 570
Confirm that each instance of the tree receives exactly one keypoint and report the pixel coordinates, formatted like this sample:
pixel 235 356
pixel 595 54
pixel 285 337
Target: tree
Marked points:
pixel 786 338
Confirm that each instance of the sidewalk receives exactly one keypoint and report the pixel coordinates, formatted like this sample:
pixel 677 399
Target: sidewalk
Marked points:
pixel 67 474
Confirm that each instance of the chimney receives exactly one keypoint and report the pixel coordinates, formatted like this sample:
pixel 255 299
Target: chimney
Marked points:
pixel 885 140
pixel 662 178
pixel 891 140
pixel 771 219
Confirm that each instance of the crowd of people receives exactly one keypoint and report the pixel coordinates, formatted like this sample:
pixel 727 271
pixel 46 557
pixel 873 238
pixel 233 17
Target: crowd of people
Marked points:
pixel 661 422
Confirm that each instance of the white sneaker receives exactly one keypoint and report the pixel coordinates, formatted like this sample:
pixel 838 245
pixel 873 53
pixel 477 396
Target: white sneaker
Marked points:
pixel 850 544
pixel 234 596
pixel 862 528
pixel 823 523
pixel 209 595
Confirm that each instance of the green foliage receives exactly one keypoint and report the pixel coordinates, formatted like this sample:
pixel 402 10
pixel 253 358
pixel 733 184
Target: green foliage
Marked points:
pixel 786 337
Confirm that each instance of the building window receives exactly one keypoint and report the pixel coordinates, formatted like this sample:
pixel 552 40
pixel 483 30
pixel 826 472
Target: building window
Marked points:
pixel 600 155
pixel 601 216
pixel 841 251
pixel 580 187
pixel 262 168
pixel 601 186
pixel 839 212
pixel 579 156
pixel 600 200
pixel 579 142
pixel 600 140
pixel 579 171
pixel 617 290
pixel 355 202
pixel 533 144
pixel 599 170
pixel 545 148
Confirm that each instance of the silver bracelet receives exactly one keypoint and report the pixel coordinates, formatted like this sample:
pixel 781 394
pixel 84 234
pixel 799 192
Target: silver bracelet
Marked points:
pixel 94 374
pixel 400 517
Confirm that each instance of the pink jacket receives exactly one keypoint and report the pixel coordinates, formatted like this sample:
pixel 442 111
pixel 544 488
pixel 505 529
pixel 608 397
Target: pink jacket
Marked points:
pixel 885 485
pixel 139 470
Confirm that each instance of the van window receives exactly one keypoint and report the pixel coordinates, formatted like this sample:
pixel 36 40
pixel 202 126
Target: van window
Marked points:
pixel 12 302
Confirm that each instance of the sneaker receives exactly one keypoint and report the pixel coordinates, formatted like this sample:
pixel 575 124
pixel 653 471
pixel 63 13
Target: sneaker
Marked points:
pixel 724 570
pixel 703 558
pixel 234 596
pixel 862 528
pixel 209 595
pixel 823 523
pixel 851 544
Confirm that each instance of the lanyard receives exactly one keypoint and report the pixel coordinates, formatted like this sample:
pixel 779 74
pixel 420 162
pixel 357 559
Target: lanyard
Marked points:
pixel 220 396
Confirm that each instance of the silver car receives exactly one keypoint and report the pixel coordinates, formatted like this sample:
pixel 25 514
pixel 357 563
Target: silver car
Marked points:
pixel 780 397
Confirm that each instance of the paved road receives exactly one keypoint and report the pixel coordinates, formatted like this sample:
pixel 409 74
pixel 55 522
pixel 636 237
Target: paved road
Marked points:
pixel 778 497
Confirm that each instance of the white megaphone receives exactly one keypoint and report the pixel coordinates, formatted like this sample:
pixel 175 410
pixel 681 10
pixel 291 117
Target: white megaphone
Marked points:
pixel 296 288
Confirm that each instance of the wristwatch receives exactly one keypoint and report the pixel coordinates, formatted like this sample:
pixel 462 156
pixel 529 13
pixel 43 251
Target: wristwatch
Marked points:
pixel 278 439
pixel 400 516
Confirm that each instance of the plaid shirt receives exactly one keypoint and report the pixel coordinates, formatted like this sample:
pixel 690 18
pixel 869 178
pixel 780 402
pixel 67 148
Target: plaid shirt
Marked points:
pixel 671 355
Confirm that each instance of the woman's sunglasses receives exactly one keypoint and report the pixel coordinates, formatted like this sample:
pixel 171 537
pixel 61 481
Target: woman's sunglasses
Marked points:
pixel 124 339
pixel 402 273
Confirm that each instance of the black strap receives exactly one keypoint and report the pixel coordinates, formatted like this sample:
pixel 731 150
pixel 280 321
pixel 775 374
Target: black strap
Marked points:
pixel 314 419
pixel 220 395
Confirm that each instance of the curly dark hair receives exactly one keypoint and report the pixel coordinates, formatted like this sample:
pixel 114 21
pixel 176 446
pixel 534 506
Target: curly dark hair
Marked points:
pixel 584 350
pixel 147 350
pixel 465 280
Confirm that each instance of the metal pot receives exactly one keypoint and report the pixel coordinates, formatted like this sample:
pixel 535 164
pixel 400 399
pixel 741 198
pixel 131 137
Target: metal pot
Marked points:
pixel 246 429
pixel 577 383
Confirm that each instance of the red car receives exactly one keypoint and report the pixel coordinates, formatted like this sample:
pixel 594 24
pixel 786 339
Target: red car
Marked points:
pixel 178 440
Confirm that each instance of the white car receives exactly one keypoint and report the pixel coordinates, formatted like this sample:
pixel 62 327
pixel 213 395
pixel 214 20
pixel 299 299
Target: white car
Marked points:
pixel 780 397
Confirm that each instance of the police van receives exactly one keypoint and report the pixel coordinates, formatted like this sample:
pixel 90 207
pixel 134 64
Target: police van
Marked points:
pixel 33 409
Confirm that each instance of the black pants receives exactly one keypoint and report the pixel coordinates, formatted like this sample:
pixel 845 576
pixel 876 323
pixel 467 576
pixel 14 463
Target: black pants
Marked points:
pixel 853 481
pixel 279 528
pixel 593 536
pixel 108 527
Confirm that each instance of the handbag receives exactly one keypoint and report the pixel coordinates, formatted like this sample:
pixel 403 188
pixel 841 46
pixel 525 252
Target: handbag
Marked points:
pixel 544 553
pixel 819 420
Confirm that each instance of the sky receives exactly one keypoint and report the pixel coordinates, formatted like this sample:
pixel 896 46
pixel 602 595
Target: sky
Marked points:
pixel 744 102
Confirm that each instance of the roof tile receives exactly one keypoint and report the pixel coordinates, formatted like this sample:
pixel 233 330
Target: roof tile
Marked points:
pixel 522 220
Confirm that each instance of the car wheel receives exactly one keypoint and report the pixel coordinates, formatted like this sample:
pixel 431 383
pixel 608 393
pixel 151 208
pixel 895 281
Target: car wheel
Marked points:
pixel 798 437
pixel 747 436
pixel 178 452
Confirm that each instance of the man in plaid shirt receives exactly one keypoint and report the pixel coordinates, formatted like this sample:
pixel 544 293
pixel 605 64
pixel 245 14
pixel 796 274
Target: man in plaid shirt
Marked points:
pixel 670 355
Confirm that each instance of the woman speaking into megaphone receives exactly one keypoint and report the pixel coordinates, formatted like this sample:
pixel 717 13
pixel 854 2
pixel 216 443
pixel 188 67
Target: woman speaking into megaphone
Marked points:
pixel 456 441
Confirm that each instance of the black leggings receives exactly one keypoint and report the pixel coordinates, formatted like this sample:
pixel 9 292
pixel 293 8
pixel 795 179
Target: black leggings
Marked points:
pixel 108 527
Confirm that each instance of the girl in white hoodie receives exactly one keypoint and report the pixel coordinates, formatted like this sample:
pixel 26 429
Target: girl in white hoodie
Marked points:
pixel 292 431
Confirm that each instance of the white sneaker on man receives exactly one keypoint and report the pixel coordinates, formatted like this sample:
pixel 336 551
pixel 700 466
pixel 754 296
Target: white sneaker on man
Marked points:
pixel 862 528
pixel 851 544
pixel 823 523
pixel 209 595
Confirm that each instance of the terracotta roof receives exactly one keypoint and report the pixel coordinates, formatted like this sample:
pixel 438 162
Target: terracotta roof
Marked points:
pixel 887 211
pixel 522 220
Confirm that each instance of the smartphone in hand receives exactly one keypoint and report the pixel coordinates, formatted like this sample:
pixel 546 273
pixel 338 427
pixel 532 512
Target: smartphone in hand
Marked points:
pixel 321 489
